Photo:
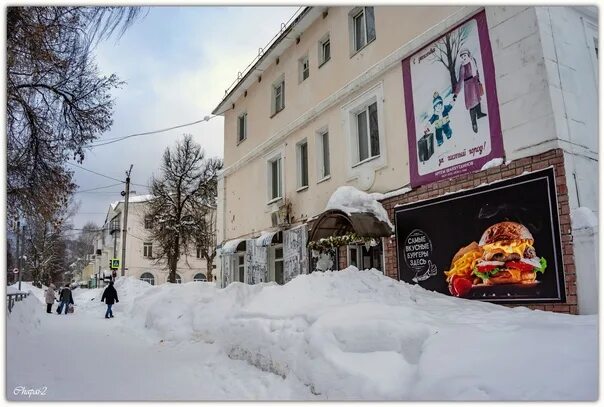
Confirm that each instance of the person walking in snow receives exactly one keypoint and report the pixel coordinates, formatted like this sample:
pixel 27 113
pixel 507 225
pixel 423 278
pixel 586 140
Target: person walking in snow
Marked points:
pixel 50 297
pixel 66 299
pixel 110 297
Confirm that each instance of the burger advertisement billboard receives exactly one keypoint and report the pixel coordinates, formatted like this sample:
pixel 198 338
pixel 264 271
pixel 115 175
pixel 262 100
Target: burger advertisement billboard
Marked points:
pixel 498 242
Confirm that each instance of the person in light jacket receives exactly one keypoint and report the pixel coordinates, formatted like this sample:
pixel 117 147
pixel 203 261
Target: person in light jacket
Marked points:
pixel 66 299
pixel 110 297
pixel 50 297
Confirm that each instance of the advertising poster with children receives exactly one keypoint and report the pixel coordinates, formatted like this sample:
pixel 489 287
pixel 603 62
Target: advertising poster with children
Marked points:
pixel 451 104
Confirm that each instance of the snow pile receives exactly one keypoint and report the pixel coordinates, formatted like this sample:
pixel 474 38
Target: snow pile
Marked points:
pixel 350 200
pixel 132 199
pixel 495 162
pixel 583 218
pixel 359 335
pixel 28 287
pixel 26 316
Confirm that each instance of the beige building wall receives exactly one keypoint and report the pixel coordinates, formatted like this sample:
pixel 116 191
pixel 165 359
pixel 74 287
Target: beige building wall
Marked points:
pixel 318 103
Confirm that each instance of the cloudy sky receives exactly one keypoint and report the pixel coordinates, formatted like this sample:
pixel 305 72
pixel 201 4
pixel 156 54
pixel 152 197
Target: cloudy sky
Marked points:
pixel 177 63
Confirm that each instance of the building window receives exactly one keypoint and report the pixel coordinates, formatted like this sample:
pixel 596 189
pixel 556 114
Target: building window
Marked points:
pixel 367 133
pixel 274 178
pixel 241 127
pixel 241 268
pixel 362 30
pixel 278 96
pixel 200 277
pixel 324 50
pixel 302 154
pixel 303 68
pixel 148 250
pixel 148 222
pixel 198 252
pixel 178 279
pixel 323 155
pixel 148 278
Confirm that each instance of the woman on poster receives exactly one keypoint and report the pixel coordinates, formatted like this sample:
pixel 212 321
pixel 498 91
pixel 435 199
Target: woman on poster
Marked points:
pixel 472 88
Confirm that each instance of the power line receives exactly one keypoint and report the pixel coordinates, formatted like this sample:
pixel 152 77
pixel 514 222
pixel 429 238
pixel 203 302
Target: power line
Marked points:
pixel 115 140
pixel 94 172
pixel 94 189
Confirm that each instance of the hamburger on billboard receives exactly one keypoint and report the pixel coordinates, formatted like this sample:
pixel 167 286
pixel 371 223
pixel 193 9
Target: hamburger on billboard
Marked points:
pixel 499 242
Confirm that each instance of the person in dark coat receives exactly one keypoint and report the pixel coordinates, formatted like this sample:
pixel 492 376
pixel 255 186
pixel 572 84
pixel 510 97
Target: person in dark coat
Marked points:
pixel 110 297
pixel 66 299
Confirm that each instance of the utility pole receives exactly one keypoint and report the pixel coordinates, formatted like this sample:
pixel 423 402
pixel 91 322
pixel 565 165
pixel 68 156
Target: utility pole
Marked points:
pixel 125 220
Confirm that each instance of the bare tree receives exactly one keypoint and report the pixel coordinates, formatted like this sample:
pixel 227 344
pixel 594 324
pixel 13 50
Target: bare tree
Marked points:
pixel 184 194
pixel 45 245
pixel 447 49
pixel 57 101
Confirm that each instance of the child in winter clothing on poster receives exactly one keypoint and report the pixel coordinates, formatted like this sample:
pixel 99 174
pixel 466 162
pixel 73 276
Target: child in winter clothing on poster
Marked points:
pixel 469 79
pixel 50 297
pixel 440 119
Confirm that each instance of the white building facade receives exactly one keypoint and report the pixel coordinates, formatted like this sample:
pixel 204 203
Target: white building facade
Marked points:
pixel 140 262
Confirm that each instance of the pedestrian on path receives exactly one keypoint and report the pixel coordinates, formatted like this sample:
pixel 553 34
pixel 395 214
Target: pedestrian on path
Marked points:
pixel 50 297
pixel 110 297
pixel 66 299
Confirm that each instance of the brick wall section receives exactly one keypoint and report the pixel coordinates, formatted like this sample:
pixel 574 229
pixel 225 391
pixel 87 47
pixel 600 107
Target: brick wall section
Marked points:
pixel 550 158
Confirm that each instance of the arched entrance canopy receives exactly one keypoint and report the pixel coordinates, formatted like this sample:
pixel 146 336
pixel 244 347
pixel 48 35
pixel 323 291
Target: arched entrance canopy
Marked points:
pixel 335 222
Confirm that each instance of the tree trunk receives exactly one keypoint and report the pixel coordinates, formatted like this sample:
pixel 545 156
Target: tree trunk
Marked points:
pixel 174 260
pixel 209 261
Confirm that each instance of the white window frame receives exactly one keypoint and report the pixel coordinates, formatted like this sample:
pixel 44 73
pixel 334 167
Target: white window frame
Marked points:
pixel 244 117
pixel 197 280
pixel 301 62
pixel 357 113
pixel 240 255
pixel 279 83
pixel 368 167
pixel 359 12
pixel 321 176
pixel 148 245
pixel 322 60
pixel 148 220
pixel 280 184
pixel 273 260
pixel 301 186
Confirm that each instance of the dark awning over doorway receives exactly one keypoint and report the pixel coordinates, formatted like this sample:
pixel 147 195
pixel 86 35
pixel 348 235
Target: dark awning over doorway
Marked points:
pixel 335 222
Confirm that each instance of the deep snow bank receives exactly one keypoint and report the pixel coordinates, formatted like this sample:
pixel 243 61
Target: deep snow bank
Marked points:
pixel 26 317
pixel 359 335
pixel 27 287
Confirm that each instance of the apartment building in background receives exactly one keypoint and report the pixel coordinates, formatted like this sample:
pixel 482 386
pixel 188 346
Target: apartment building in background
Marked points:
pixel 140 248
pixel 415 103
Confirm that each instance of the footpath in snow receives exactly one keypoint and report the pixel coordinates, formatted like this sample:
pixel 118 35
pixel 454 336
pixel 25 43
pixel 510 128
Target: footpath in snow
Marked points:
pixel 347 335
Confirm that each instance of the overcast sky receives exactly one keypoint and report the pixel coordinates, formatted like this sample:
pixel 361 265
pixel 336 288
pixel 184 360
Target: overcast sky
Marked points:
pixel 177 63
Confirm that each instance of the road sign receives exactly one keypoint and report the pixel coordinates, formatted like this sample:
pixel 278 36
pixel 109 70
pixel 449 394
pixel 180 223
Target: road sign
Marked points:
pixel 114 264
pixel 16 270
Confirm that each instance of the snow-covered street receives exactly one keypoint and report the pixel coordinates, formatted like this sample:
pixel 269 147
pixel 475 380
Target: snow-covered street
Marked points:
pixel 334 335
